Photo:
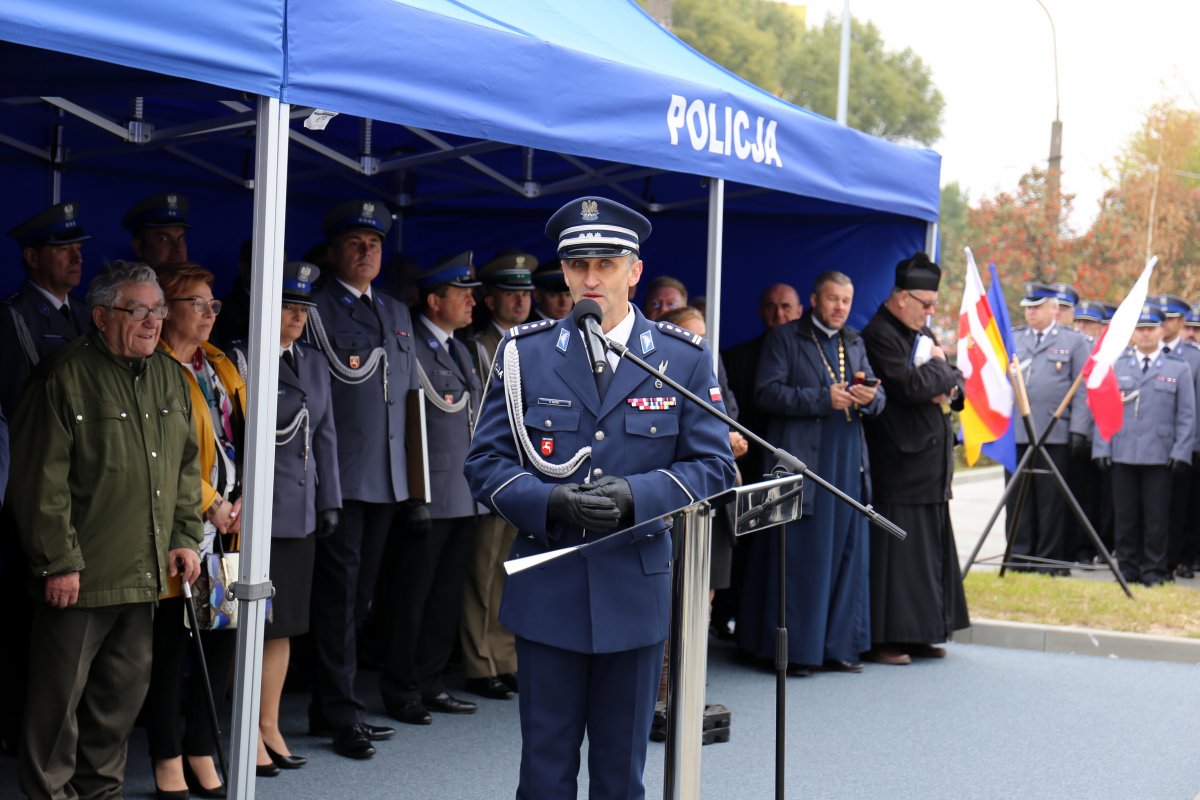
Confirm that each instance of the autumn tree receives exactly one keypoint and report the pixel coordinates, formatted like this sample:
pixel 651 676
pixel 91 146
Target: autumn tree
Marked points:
pixel 892 94
pixel 1155 204
pixel 1023 233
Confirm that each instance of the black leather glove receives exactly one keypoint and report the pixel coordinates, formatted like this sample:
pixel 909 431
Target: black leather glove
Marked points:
pixel 418 521
pixel 1180 467
pixel 617 489
pixel 1103 463
pixel 1080 446
pixel 570 503
pixel 327 522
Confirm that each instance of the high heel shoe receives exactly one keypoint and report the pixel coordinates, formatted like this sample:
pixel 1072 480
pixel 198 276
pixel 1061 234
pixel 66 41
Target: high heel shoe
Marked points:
pixel 266 770
pixel 177 794
pixel 198 789
pixel 285 762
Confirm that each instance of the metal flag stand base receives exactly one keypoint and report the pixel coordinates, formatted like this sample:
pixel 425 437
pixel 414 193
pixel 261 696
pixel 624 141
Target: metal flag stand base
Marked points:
pixel 1023 474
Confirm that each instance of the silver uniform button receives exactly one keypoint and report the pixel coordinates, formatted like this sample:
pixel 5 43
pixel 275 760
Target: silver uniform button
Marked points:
pixel 653 429
pixel 153 454
pixel 599 436
pixel 123 415
pixel 548 423
pixel 597 473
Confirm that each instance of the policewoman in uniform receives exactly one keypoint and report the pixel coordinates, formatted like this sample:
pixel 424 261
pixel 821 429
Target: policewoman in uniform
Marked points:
pixel 568 455
pixel 308 495
pixel 1154 442
pixel 1051 356
pixel 366 339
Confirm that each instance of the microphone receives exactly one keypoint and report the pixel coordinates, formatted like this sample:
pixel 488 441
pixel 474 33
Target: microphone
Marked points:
pixel 587 316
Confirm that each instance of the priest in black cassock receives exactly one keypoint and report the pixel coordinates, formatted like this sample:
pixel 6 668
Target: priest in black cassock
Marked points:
pixel 815 384
pixel 917 597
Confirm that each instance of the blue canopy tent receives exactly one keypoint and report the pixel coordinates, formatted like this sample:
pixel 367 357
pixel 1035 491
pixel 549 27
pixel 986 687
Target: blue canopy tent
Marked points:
pixel 472 119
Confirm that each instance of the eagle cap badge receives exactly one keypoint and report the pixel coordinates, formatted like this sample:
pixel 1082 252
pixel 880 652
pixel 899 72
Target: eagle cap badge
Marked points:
pixel 69 212
pixel 172 201
pixel 589 211
pixel 304 273
pixel 368 209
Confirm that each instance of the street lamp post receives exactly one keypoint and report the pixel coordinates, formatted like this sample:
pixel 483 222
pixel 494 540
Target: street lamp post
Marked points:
pixel 1055 165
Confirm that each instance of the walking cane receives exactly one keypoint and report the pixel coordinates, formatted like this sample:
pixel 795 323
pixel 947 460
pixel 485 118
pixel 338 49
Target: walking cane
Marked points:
pixel 208 692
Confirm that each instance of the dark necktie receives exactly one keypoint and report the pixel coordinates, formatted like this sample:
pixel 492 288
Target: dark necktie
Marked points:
pixel 604 379
pixel 290 358
pixel 369 304
pixel 65 310
pixel 1166 348
pixel 457 352
pixel 1145 363
pixel 1039 340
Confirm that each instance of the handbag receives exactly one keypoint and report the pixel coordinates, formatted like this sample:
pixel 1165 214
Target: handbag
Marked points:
pixel 216 607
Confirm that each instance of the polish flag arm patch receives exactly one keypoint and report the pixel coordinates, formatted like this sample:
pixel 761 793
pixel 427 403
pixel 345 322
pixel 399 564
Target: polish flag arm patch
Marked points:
pixel 714 394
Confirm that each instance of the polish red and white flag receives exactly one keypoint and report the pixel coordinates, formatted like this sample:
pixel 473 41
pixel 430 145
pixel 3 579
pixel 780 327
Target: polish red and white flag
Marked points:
pixel 1103 394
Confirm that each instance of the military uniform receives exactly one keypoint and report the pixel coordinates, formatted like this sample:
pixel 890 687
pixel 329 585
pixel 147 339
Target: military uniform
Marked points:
pixel 424 599
pixel 1050 361
pixel 590 626
pixel 368 345
pixel 1159 428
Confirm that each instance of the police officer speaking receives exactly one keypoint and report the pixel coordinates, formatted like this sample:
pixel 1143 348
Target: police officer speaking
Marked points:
pixel 568 455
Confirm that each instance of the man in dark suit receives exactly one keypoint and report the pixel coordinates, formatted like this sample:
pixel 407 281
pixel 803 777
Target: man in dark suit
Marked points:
pixel 35 322
pixel 552 440
pixel 366 338
pixel 489 650
pixel 430 561
pixel 778 305
pixel 917 596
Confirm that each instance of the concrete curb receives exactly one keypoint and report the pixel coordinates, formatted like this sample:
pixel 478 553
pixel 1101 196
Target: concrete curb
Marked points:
pixel 1080 641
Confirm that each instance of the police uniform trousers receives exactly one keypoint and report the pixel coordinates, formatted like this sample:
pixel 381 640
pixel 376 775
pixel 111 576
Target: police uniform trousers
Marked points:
pixel 18 612
pixel 344 576
pixel 424 604
pixel 1184 532
pixel 1084 481
pixel 1045 518
pixel 556 686
pixel 1142 500
pixel 488 648
pixel 90 668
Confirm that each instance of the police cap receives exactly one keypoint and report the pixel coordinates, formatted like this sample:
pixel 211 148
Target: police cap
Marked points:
pixel 511 271
pixel 298 280
pixel 162 210
pixel 1151 316
pixel 456 270
pixel 1192 318
pixel 1171 305
pixel 358 215
pixel 1065 294
pixel 55 225
pixel 1091 311
pixel 596 227
pixel 1037 293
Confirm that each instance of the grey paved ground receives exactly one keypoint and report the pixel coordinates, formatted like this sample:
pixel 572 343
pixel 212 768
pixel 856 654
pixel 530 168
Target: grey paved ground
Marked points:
pixel 985 722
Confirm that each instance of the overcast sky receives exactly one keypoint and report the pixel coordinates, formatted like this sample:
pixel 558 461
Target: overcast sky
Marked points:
pixel 993 61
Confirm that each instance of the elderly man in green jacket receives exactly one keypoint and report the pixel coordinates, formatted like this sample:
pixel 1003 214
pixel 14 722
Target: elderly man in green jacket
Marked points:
pixel 107 504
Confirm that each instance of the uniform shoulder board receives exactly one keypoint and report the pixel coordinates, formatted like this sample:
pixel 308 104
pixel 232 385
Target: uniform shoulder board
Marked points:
pixel 1020 329
pixel 680 333
pixel 526 328
pixel 1192 345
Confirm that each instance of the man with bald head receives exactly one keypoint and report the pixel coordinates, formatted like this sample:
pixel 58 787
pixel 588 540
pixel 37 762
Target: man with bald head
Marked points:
pixel 778 305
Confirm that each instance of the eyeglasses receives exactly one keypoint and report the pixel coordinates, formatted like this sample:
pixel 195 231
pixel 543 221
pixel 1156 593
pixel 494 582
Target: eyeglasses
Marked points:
pixel 139 313
pixel 199 303
pixel 928 305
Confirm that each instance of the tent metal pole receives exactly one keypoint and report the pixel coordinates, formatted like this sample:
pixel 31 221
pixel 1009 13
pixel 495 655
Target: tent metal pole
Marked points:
pixel 254 586
pixel 712 290
pixel 931 241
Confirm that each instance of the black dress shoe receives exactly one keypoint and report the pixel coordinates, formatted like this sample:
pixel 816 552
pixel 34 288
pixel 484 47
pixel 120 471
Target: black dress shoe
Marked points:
pixel 411 712
pixel 351 742
pixel 448 704
pixel 491 688
pixel 196 787
pixel 1184 571
pixel 797 670
pixel 377 733
pixel 509 679
pixel 178 794
pixel 839 665
pixel 286 762
pixel 266 770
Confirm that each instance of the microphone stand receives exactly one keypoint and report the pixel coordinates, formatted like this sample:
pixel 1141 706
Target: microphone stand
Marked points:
pixel 787 464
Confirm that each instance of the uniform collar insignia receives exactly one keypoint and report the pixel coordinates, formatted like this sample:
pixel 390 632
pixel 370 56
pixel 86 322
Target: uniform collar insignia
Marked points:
pixel 647 341
pixel 564 337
